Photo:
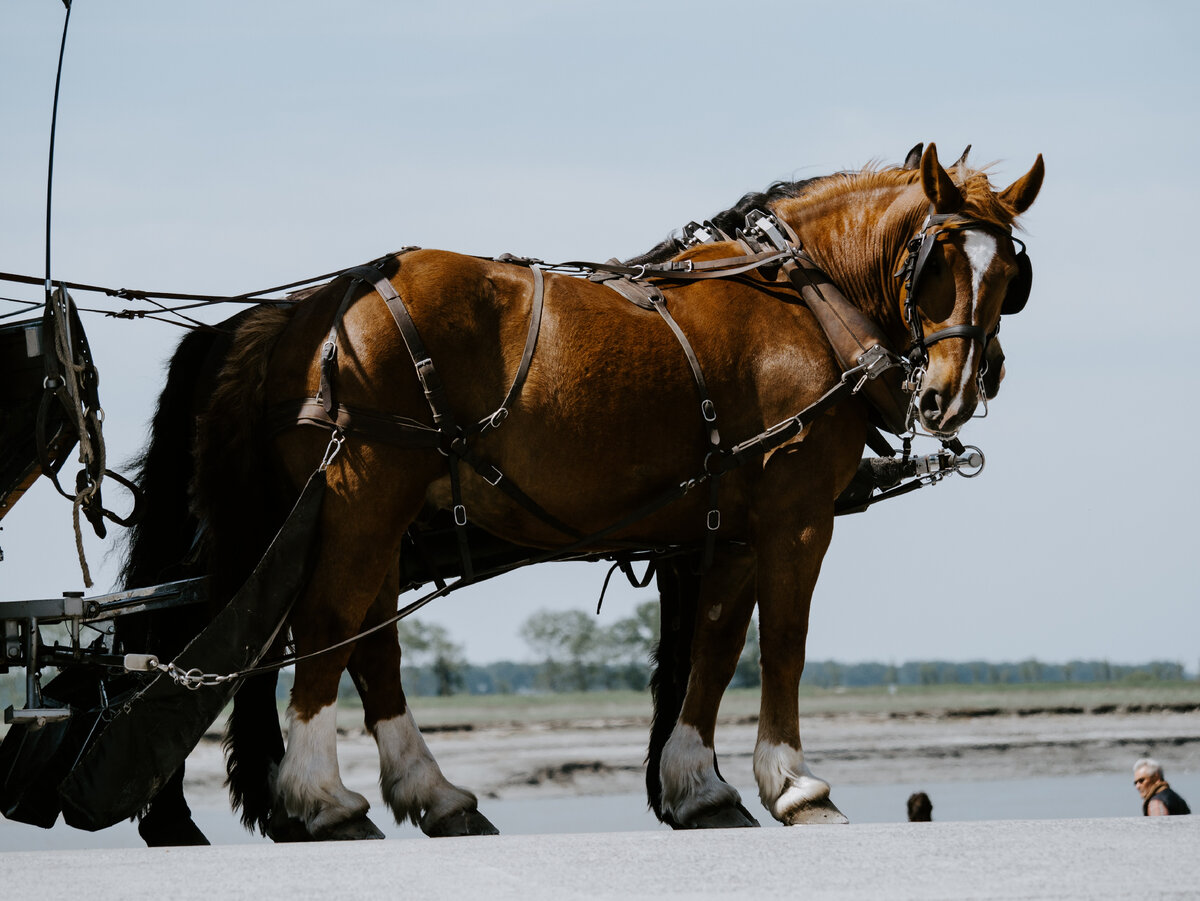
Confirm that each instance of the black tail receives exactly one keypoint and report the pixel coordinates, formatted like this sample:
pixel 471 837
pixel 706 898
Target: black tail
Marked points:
pixel 678 587
pixel 253 748
pixel 160 544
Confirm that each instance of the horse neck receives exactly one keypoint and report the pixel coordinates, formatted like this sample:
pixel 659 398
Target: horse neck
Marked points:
pixel 860 243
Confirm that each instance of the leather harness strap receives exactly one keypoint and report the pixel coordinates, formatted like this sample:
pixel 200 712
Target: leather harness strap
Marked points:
pixel 851 335
pixel 687 270
pixel 649 297
pixel 708 414
pixel 858 346
pixel 445 435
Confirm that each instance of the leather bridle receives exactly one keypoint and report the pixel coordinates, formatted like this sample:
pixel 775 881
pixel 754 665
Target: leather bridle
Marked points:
pixel 920 247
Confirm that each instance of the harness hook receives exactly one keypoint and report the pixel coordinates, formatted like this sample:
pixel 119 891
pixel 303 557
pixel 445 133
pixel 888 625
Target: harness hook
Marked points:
pixel 335 445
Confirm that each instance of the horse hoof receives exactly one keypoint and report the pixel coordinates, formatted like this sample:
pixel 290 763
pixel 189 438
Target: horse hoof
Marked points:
pixel 818 813
pixel 735 817
pixel 157 832
pixel 283 829
pixel 462 822
pixel 357 829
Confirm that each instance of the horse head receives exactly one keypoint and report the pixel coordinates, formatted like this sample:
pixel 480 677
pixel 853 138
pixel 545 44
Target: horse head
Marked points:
pixel 963 270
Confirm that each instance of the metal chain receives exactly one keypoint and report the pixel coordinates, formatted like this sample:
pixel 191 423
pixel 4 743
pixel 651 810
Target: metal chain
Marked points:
pixel 191 679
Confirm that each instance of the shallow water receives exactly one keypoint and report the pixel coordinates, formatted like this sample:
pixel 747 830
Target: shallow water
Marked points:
pixel 1073 797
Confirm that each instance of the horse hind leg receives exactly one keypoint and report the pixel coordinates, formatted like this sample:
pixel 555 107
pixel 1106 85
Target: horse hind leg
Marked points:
pixel 691 793
pixel 672 666
pixel 412 783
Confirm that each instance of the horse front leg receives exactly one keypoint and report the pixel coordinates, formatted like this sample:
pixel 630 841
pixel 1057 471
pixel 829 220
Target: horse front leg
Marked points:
pixel 411 780
pixel 363 518
pixel 789 562
pixel 693 794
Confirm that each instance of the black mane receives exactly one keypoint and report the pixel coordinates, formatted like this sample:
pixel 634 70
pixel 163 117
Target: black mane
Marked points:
pixel 729 221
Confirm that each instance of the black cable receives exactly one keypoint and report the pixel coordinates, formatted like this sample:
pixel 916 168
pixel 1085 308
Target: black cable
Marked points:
pixel 53 124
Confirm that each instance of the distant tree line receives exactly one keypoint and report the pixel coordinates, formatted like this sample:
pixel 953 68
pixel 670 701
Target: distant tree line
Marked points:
pixel 831 674
pixel 576 652
pixel 507 677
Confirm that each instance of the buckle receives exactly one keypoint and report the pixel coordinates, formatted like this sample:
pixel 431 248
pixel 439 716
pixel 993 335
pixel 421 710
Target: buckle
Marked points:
pixel 876 361
pixel 427 374
pixel 713 520
pixel 498 417
pixel 460 515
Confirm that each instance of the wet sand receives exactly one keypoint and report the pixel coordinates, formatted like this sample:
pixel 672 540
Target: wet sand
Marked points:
pixel 546 776
pixel 605 757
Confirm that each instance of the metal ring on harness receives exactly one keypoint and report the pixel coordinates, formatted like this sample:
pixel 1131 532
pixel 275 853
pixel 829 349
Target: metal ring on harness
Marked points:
pixel 336 440
pixel 966 460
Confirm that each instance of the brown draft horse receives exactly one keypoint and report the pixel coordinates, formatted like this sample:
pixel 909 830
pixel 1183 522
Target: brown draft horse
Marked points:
pixel 606 417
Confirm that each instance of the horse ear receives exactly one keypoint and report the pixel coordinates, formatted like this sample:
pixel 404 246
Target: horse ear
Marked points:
pixel 962 160
pixel 941 190
pixel 914 157
pixel 1022 192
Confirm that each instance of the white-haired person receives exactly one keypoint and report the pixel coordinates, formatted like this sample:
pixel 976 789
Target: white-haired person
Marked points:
pixel 1158 800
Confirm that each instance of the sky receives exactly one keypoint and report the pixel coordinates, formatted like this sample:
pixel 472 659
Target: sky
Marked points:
pixel 229 146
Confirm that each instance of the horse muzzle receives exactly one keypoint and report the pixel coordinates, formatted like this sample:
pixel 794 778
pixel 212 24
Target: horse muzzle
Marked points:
pixel 942 413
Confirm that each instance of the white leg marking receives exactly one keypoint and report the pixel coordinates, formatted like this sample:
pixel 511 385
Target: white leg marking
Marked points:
pixel 785 783
pixel 412 782
pixel 309 784
pixel 689 778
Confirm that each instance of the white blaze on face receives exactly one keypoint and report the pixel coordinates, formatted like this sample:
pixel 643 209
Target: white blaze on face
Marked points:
pixel 980 249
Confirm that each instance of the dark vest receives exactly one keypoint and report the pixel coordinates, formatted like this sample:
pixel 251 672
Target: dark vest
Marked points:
pixel 1176 806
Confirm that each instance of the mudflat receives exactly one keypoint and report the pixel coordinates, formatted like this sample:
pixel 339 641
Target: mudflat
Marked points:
pixel 559 746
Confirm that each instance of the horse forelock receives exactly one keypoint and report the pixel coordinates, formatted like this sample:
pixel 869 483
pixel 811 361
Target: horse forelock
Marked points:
pixel 981 200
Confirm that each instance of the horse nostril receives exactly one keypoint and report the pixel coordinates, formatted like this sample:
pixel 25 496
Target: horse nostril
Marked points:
pixel 931 405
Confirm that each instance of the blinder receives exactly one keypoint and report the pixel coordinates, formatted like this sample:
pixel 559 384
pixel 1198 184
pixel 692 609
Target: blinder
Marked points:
pixel 1018 289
